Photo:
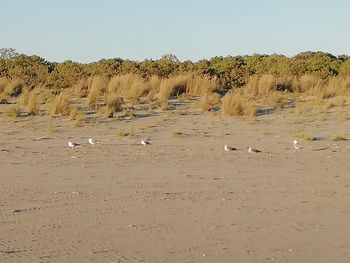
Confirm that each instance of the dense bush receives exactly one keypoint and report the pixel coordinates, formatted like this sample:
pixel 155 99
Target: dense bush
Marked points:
pixel 231 71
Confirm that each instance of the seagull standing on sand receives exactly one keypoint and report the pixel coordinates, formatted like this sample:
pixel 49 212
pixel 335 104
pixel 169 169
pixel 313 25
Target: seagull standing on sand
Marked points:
pixel 297 146
pixel 73 144
pixel 145 142
pixel 93 141
pixel 252 150
pixel 229 148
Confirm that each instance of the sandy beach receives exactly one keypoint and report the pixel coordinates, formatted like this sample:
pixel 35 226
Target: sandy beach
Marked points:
pixel 180 199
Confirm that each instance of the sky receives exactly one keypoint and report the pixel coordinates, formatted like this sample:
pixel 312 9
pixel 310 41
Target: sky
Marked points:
pixel 90 30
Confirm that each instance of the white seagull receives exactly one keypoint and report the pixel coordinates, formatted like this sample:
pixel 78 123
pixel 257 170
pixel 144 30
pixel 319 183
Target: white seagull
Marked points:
pixel 73 144
pixel 229 148
pixel 297 146
pixel 93 141
pixel 252 150
pixel 145 142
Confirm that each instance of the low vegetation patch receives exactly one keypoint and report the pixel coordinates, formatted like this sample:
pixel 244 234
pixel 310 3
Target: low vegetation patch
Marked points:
pixel 303 136
pixel 13 112
pixel 59 105
pixel 338 138
pixel 235 104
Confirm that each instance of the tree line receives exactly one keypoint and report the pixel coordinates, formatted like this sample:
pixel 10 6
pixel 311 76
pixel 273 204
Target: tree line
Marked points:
pixel 230 71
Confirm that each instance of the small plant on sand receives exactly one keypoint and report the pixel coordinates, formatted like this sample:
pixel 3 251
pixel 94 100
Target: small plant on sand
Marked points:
pixel 338 138
pixel 163 104
pixel 76 116
pixel 301 135
pixel 80 118
pixel 73 113
pixel 178 133
pixel 13 112
pixel 51 127
pixel 122 133
pixel 305 108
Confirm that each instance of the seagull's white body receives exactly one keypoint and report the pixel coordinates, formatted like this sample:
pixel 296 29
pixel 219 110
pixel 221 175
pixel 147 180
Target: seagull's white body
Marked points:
pixel 93 141
pixel 145 142
pixel 297 146
pixel 252 150
pixel 73 144
pixel 228 148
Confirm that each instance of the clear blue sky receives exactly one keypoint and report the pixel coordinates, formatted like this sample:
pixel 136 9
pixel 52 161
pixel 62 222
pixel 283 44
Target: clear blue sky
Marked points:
pixel 89 30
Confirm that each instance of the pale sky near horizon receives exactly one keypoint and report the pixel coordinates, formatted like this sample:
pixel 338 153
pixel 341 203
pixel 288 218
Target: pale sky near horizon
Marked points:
pixel 89 30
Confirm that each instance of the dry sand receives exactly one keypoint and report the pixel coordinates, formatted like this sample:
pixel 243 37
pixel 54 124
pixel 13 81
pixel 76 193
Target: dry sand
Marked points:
pixel 181 199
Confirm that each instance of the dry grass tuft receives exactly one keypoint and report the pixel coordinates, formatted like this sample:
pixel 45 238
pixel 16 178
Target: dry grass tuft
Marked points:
pixel 338 101
pixel 13 112
pixel 14 88
pixel 3 99
pixel 51 128
pixel 235 104
pixel 276 100
pixel 129 86
pixel 308 83
pixel 267 84
pixel 177 133
pixel 33 103
pixel 96 88
pixel 76 116
pixel 81 88
pixel 23 99
pixel 232 104
pixel 261 85
pixel 338 86
pixel 154 87
pixel 338 138
pixel 73 113
pixel 59 105
pixel 172 87
pixel 3 83
pixel 209 101
pixel 114 104
pixel 200 85
pixel 122 133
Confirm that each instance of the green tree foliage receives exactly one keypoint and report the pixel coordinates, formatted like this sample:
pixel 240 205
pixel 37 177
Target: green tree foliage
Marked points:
pixel 32 70
pixel 65 75
pixel 231 71
pixel 104 67
pixel 320 64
